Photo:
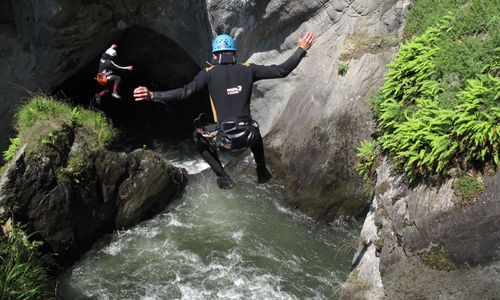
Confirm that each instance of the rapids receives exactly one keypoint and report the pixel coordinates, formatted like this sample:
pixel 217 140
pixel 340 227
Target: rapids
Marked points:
pixel 216 244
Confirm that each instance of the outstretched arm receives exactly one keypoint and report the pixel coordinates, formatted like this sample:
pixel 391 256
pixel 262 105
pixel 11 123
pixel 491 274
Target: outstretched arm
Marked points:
pixel 117 67
pixel 120 67
pixel 285 68
pixel 199 82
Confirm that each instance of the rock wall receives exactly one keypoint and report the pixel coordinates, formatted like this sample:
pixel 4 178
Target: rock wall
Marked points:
pixel 314 118
pixel 319 116
pixel 424 242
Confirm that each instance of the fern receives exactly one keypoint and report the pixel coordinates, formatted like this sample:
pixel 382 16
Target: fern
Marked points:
pixel 478 119
pixel 366 159
pixel 11 151
pixel 426 124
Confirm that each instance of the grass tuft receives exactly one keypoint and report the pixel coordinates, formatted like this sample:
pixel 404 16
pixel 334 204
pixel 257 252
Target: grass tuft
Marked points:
pixel 342 69
pixel 42 115
pixel 22 275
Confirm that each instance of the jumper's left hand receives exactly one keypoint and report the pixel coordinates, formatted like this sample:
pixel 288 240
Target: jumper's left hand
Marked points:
pixel 307 41
pixel 142 94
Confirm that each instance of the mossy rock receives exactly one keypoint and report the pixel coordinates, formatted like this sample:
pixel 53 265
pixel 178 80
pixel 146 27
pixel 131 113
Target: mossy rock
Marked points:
pixel 468 188
pixel 437 259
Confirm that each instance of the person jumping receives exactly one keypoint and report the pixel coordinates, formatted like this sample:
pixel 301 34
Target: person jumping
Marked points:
pixel 105 74
pixel 230 89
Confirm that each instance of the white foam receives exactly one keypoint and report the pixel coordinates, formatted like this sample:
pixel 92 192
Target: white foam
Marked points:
pixel 188 292
pixel 149 232
pixel 159 259
pixel 237 236
pixel 115 247
pixel 175 222
pixel 194 166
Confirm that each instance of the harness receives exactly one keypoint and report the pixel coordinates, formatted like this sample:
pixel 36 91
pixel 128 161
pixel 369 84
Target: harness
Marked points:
pixel 102 77
pixel 231 134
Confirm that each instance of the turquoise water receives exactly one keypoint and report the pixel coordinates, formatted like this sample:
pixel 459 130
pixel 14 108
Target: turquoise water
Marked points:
pixel 216 244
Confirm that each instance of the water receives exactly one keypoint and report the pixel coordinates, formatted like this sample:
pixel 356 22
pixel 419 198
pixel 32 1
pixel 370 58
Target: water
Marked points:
pixel 213 244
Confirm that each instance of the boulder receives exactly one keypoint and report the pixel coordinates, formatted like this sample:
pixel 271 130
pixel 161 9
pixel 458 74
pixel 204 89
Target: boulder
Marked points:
pixel 70 206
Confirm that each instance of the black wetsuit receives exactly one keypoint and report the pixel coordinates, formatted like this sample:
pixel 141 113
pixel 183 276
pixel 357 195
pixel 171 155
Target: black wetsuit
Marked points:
pixel 230 88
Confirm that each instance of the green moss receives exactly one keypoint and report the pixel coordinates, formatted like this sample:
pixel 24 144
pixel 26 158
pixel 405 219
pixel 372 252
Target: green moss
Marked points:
pixel 437 259
pixel 42 117
pixel 99 124
pixel 75 170
pixel 468 188
pixel 362 42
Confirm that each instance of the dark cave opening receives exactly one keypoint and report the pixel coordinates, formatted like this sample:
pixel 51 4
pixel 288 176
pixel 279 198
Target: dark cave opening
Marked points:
pixel 159 64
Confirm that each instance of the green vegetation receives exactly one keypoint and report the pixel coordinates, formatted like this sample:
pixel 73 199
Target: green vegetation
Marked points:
pixel 45 123
pixel 440 104
pixel 342 69
pixel 22 275
pixel 437 259
pixel 75 170
pixel 366 159
pixel 42 117
pixel 426 13
pixel 11 151
pixel 468 188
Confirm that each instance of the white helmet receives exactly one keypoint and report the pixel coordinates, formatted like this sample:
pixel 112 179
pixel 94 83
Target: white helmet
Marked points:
pixel 111 52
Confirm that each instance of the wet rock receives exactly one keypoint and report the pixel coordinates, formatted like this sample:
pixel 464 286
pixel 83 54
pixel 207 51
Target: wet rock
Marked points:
pixel 427 243
pixel 147 189
pixel 319 117
pixel 70 208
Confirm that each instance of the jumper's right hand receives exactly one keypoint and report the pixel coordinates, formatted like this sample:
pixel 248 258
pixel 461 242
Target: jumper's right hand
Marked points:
pixel 142 94
pixel 130 68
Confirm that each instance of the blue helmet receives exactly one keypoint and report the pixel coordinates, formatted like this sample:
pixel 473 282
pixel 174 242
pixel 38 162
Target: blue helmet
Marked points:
pixel 223 42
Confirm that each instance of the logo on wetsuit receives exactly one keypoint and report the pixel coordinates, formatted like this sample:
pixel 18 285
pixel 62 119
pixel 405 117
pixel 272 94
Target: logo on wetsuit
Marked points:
pixel 235 90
